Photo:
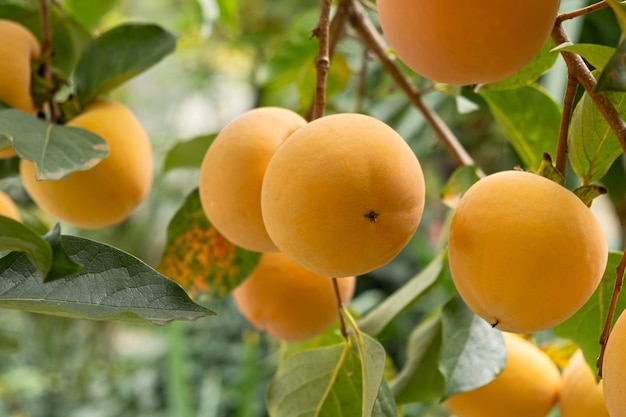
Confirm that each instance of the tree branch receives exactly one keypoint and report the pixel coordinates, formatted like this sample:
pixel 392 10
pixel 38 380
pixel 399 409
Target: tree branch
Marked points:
pixel 580 12
pixel 322 33
pixel 604 338
pixel 568 108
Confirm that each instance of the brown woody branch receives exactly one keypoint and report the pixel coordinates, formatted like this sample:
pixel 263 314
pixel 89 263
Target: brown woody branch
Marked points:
pixel 322 65
pixel 581 12
pixel 604 338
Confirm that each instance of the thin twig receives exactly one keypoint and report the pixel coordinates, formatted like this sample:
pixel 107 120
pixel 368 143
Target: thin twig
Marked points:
pixel 568 107
pixel 577 68
pixel 46 53
pixel 342 321
pixel 581 12
pixel 374 40
pixel 604 338
pixel 322 32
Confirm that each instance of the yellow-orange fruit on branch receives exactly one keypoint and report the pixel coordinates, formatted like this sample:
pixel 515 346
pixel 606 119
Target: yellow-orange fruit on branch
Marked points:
pixel 18 47
pixel 614 369
pixel 467 42
pixel 232 172
pixel 8 207
pixel 109 192
pixel 581 394
pixel 527 387
pixel 289 302
pixel 525 253
pixel 343 196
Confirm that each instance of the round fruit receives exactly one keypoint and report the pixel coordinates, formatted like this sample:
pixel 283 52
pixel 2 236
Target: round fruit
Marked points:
pixel 527 387
pixel 581 395
pixel 8 207
pixel 232 173
pixel 110 191
pixel 289 302
pixel 614 369
pixel 343 195
pixel 467 42
pixel 18 47
pixel 525 253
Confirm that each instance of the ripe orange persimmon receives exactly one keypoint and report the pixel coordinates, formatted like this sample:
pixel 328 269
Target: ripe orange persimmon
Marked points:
pixel 17 49
pixel 8 207
pixel 525 253
pixel 343 195
pixel 110 191
pixel 232 173
pixel 289 302
pixel 466 42
pixel 527 387
pixel 614 369
pixel 581 394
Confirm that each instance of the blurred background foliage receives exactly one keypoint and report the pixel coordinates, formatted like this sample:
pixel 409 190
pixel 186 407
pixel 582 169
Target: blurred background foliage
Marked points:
pixel 233 55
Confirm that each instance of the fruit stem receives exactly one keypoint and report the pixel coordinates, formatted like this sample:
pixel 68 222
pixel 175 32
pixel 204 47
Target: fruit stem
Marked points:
pixel 322 65
pixel 46 53
pixel 342 321
pixel 568 107
pixel 604 338
pixel 581 12
pixel 374 40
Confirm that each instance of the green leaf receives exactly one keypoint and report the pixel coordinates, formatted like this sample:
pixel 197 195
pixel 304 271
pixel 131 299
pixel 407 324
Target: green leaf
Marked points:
pixel 472 353
pixel 229 12
pixel 372 356
pixel 199 258
pixel 585 326
pixel 15 236
pixel 385 405
pixel 531 119
pixel 458 183
pixel 420 379
pixel 544 60
pixel 613 76
pixel 377 319
pixel 592 145
pixel 88 12
pixel 56 150
pixel 588 193
pixel 119 55
pixel 62 264
pixel 188 154
pixel 596 55
pixel 619 8
pixel 112 285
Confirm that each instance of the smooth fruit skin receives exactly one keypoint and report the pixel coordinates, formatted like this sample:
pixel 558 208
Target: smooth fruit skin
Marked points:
pixel 614 369
pixel 524 252
pixel 17 48
pixel 8 207
pixel 467 42
pixel 289 302
pixel 109 192
pixel 343 195
pixel 527 387
pixel 580 394
pixel 232 172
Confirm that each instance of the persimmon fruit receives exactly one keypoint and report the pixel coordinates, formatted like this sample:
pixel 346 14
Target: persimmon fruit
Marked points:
pixel 525 253
pixel 343 196
pixel 232 172
pixel 110 191
pixel 614 369
pixel 527 387
pixel 8 208
pixel 288 301
pixel 581 393
pixel 466 42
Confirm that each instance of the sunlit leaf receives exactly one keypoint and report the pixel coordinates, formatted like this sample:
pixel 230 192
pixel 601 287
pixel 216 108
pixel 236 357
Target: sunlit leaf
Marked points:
pixel 187 154
pixel 112 285
pixel 118 55
pixel 531 119
pixel 472 353
pixel 596 55
pixel 585 326
pixel 199 258
pixel 56 150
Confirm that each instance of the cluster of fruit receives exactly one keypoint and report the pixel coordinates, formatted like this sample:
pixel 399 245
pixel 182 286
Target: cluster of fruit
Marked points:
pixel 103 195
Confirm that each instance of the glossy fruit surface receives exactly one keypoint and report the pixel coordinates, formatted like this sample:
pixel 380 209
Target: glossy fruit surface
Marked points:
pixel 525 253
pixel 581 394
pixel 614 369
pixel 343 196
pixel 110 191
pixel 466 42
pixel 527 387
pixel 289 302
pixel 232 173
pixel 8 207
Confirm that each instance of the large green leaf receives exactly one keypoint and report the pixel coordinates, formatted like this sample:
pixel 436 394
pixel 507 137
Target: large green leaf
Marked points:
pixel 188 153
pixel 472 353
pixel 585 326
pixel 199 258
pixel 88 12
pixel 119 55
pixel 62 265
pixel 531 119
pixel 596 55
pixel 592 145
pixel 112 285
pixel 377 319
pixel 56 150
